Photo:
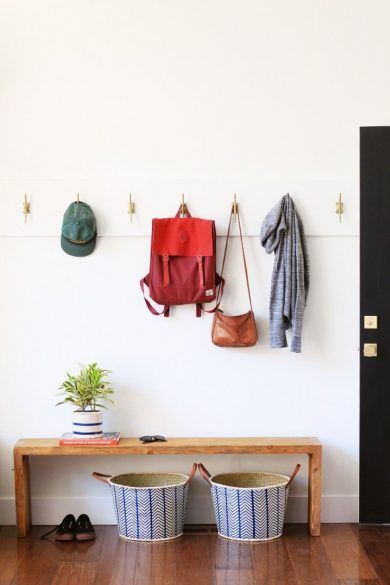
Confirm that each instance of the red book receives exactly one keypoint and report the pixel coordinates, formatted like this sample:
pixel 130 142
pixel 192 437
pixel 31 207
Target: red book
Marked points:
pixel 105 439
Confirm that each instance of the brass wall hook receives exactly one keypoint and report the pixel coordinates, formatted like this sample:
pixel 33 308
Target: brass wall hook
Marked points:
pixel 235 207
pixel 183 207
pixel 340 207
pixel 131 208
pixel 26 208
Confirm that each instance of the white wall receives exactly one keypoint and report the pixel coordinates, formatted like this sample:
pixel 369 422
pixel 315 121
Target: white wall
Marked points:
pixel 158 98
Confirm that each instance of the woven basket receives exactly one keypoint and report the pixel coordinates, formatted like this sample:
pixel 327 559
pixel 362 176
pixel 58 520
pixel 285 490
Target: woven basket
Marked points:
pixel 149 506
pixel 249 506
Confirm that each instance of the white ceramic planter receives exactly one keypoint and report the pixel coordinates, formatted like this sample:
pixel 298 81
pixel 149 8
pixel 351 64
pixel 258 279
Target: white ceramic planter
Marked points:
pixel 88 424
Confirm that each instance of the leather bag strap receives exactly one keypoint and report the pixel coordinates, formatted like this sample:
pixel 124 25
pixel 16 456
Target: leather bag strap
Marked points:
pixel 243 256
pixel 297 468
pixel 244 259
pixel 192 472
pixel 101 476
pixel 218 299
pixel 204 473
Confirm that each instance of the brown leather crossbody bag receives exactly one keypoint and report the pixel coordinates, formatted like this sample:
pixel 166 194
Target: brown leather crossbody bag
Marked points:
pixel 237 330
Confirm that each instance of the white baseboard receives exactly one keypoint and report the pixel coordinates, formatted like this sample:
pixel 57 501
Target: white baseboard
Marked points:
pixel 48 511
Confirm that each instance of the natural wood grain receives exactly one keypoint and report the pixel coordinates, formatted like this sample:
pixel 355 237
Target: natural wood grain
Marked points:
pixel 359 582
pixel 118 561
pixel 294 559
pixel 233 563
pixel 42 557
pixel 309 559
pixel 272 563
pixel 345 553
pixel 376 543
pixel 175 446
pixel 230 554
pixel 314 490
pixel 75 574
pixel 39 564
pixel 156 563
pixel 235 577
pixel 74 551
pixel 25 448
pixel 194 560
pixel 22 492
pixel 12 552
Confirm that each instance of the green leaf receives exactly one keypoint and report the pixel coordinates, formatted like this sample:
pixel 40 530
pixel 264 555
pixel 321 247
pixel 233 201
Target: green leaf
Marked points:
pixel 87 390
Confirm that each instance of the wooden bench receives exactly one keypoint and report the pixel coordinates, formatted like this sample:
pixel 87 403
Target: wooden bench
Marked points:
pixel 26 448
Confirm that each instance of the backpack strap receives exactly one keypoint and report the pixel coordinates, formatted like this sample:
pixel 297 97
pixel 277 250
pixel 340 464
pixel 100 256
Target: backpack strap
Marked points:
pixel 199 260
pixel 165 259
pixel 219 281
pixel 145 281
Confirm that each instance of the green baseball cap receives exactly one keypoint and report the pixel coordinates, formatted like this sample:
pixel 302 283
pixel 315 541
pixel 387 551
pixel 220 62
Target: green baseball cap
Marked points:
pixel 78 234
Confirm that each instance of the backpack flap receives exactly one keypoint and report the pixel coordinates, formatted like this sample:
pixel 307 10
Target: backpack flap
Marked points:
pixel 183 237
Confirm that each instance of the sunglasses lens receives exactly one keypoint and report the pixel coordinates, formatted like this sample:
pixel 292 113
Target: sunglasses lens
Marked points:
pixel 151 438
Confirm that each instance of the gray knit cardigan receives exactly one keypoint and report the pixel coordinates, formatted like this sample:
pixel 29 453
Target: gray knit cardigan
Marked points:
pixel 282 232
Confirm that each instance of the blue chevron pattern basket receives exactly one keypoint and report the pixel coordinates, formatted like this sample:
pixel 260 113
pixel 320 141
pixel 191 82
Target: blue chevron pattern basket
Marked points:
pixel 249 506
pixel 149 506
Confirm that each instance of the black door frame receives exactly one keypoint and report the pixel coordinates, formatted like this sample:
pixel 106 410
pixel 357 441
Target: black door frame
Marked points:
pixel 374 493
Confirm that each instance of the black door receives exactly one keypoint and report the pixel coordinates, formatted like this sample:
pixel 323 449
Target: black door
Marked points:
pixel 375 302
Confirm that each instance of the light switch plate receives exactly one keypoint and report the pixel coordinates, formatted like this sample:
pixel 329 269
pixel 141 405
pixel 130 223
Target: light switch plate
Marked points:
pixel 370 322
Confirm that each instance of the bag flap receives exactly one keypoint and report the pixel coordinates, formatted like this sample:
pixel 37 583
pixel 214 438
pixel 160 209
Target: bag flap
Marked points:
pixel 234 321
pixel 188 236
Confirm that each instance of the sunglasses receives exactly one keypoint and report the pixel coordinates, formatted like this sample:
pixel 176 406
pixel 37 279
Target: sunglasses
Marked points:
pixel 152 438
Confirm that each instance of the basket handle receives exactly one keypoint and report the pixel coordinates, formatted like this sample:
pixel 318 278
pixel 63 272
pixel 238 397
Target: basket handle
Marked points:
pixel 101 476
pixel 204 473
pixel 297 468
pixel 104 477
pixel 192 472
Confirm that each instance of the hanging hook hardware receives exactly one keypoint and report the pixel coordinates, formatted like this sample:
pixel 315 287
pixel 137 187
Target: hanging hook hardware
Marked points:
pixel 131 208
pixel 235 207
pixel 26 208
pixel 183 207
pixel 340 207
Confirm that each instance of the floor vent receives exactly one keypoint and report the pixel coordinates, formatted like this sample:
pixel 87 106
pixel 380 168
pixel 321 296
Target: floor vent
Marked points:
pixel 200 529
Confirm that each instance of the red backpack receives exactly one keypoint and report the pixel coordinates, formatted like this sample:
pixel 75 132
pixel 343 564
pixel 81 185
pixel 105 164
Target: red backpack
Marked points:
pixel 182 263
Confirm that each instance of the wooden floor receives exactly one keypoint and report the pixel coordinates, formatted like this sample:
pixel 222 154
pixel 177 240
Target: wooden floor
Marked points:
pixel 344 555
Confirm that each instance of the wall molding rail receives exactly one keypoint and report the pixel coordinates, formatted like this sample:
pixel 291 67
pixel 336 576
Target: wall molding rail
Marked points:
pixel 50 510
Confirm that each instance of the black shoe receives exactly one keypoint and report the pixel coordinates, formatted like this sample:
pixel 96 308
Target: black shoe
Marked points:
pixel 66 530
pixel 84 528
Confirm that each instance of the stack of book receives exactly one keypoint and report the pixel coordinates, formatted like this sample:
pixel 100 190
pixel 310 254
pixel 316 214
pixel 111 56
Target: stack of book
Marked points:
pixel 105 439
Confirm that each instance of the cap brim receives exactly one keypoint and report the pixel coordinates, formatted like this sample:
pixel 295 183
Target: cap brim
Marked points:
pixel 77 249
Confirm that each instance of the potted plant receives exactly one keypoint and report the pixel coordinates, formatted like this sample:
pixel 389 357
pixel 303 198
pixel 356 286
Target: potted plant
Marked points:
pixel 89 391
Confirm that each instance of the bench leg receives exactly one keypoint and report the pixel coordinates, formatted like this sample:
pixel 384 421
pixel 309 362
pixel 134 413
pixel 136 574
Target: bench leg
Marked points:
pixel 315 473
pixel 22 494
